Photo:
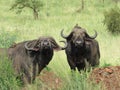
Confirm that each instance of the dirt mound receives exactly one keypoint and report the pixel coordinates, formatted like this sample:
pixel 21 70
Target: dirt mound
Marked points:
pixel 51 81
pixel 108 76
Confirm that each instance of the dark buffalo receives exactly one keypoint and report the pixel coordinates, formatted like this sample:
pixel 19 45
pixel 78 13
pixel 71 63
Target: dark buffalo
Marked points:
pixel 28 55
pixel 81 49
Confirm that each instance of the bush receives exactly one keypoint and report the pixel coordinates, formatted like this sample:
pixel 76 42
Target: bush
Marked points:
pixel 7 38
pixel 7 78
pixel 112 20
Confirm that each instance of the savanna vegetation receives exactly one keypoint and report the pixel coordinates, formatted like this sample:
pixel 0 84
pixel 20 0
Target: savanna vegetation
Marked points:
pixel 54 16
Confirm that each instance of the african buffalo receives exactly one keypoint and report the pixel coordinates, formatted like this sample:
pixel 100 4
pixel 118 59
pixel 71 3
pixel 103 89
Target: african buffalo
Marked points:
pixel 81 48
pixel 30 57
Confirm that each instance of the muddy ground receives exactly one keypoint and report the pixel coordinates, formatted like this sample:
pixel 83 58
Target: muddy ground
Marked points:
pixel 51 81
pixel 108 77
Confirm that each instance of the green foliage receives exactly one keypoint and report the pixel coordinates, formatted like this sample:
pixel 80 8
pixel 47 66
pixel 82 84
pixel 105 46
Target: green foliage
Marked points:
pixel 7 78
pixel 7 38
pixel 112 20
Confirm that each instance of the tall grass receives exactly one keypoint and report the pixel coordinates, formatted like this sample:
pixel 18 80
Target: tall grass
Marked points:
pixel 7 77
pixel 54 16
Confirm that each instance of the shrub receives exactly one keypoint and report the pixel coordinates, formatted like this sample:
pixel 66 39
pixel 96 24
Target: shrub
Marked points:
pixel 112 20
pixel 7 38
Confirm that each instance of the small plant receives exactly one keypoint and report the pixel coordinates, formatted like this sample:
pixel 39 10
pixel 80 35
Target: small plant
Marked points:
pixel 112 20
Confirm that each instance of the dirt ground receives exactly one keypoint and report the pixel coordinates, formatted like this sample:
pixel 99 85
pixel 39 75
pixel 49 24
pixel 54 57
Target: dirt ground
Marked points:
pixel 109 77
pixel 51 81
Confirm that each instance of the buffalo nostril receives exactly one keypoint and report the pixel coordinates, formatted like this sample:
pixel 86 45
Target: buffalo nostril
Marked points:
pixel 78 42
pixel 46 44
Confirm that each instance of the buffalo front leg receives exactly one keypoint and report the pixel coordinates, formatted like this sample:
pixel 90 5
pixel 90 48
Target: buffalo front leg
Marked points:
pixel 71 63
pixel 40 68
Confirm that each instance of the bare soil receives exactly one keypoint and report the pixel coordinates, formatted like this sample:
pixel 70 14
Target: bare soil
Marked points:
pixel 51 81
pixel 109 77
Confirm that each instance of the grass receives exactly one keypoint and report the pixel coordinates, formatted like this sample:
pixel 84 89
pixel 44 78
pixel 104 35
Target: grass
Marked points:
pixel 62 15
pixel 7 77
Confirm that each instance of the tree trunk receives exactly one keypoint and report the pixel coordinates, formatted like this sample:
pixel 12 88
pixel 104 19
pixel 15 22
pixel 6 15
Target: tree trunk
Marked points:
pixel 35 13
pixel 103 1
pixel 82 4
pixel 116 1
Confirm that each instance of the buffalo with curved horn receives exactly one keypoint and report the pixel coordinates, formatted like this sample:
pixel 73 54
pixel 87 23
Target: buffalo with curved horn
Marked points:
pixel 28 55
pixel 81 47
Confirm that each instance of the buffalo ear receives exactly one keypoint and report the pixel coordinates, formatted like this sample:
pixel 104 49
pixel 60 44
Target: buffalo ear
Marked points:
pixel 55 46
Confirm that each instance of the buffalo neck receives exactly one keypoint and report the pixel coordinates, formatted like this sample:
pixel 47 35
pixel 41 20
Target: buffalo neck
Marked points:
pixel 47 52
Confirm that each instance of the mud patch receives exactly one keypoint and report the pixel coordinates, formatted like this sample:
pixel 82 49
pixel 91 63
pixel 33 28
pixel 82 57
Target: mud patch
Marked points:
pixel 51 81
pixel 108 76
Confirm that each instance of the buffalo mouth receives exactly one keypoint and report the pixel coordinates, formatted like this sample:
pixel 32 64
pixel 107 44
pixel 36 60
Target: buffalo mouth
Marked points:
pixel 79 46
pixel 46 47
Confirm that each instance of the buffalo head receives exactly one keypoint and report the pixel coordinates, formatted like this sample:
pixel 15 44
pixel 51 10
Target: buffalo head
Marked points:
pixel 78 36
pixel 43 43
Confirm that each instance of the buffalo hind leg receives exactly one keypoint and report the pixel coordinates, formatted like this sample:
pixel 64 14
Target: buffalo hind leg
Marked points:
pixel 26 78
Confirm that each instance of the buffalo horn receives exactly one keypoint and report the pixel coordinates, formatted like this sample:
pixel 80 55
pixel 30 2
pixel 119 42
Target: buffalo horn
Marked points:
pixel 63 34
pixel 26 46
pixel 92 37
pixel 64 46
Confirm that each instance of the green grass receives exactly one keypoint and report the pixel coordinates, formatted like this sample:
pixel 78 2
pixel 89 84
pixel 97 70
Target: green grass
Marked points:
pixel 7 77
pixel 63 15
